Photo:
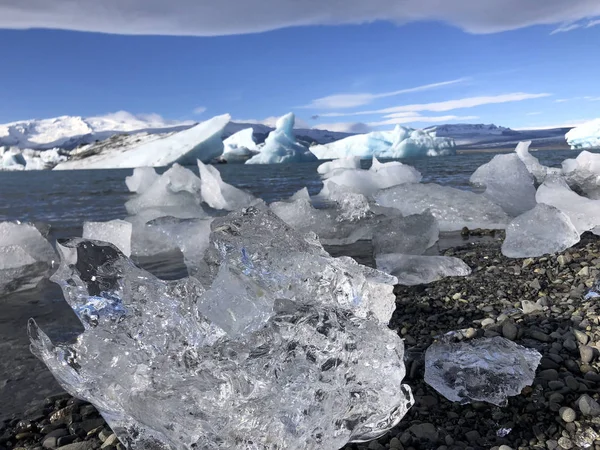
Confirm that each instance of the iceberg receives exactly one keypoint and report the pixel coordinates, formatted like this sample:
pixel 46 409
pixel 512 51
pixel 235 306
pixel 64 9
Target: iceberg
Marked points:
pixel 281 145
pixel 368 182
pixel 12 159
pixel 25 257
pixel 507 183
pixel 535 168
pixel 141 179
pixel 240 146
pixel 453 208
pixel 480 370
pixel 583 173
pixel 202 142
pixel 540 231
pixel 352 162
pixel 218 194
pixel 287 347
pixel 584 136
pixel 410 235
pixel 412 270
pixel 402 142
pixel 117 232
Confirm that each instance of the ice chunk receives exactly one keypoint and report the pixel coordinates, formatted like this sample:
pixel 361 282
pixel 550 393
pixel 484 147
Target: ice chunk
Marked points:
pixel 12 159
pixel 293 366
pixel 585 136
pixel 583 173
pixel 402 142
pixel 542 230
pixel 281 145
pixel 453 208
pixel 175 190
pixel 117 232
pixel 202 142
pixel 508 183
pixel 416 269
pixel 218 194
pixel 239 146
pixel 141 180
pixel 368 182
pixel 583 212
pixel 351 206
pixel 480 370
pixel 533 165
pixel 25 257
pixel 410 235
pixel 352 162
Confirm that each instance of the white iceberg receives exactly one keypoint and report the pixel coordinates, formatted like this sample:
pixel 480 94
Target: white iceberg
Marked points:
pixel 240 146
pixel 508 183
pixel 117 232
pixel 141 179
pixel 202 142
pixel 402 142
pixel 351 162
pixel 281 145
pixel 540 231
pixel 453 208
pixel 585 136
pixel 12 159
pixel 535 168
pixel 220 195
pixel 583 173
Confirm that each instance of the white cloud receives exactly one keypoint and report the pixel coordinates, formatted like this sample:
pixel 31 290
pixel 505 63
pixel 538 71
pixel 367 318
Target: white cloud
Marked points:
pixel 567 27
pixel 534 113
pixel 345 127
pixel 271 121
pixel 199 110
pixel 342 101
pixel 448 105
pixel 419 118
pixel 588 98
pixel 209 18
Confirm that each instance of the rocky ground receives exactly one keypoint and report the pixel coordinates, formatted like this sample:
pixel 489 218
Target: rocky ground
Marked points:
pixel 536 302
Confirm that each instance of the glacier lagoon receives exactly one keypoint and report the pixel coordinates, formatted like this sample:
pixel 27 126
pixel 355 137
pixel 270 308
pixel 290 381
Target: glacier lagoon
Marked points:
pixel 99 195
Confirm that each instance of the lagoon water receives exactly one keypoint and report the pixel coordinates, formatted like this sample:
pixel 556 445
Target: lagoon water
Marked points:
pixel 65 199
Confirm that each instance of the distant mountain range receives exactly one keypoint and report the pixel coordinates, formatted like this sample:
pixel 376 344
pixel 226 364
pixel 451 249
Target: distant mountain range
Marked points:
pixel 69 132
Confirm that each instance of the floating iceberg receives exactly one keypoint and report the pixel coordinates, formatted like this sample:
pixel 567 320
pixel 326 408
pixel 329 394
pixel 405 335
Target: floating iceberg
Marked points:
pixel 240 146
pixel 368 182
pixel 202 142
pixel 453 208
pixel 288 348
pixel 352 162
pixel 117 232
pixel 220 195
pixel 412 270
pixel 281 145
pixel 480 370
pixel 542 230
pixel 507 183
pixel 25 257
pixel 402 142
pixel 12 159
pixel 585 136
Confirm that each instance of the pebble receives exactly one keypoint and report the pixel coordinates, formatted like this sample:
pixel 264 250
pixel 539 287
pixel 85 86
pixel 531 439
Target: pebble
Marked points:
pixel 565 443
pixel 426 431
pixel 567 414
pixel 586 353
pixel 581 337
pixel 570 344
pixel 588 406
pixel 549 375
pixel 509 330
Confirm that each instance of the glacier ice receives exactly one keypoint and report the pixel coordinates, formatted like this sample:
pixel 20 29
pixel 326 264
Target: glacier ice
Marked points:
pixel 239 146
pixel 417 269
pixel 402 142
pixel 535 168
pixel 287 349
pixel 351 162
pixel 281 145
pixel 507 183
pixel 410 235
pixel 584 136
pixel 202 142
pixel 218 194
pixel 368 182
pixel 117 232
pixel 480 370
pixel 583 173
pixel 141 179
pixel 25 256
pixel 453 208
pixel 11 159
pixel 583 212
pixel 542 230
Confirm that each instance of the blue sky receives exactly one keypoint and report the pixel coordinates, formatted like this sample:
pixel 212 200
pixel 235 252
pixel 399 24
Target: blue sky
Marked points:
pixel 335 76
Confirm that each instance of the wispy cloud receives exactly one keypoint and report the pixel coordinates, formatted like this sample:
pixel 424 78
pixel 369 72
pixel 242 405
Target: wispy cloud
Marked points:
pixel 570 26
pixel 227 17
pixel 419 118
pixel 534 113
pixel 449 105
pixel 345 127
pixel 199 110
pixel 587 98
pixel 343 101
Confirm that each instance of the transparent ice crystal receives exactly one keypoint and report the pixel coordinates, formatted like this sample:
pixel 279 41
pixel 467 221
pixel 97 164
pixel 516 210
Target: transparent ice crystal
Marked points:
pixel 287 349
pixel 486 369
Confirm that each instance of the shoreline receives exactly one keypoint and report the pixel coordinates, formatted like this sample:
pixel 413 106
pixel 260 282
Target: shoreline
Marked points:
pixel 559 323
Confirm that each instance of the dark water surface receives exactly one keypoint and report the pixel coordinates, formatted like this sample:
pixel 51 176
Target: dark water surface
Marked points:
pixel 65 199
